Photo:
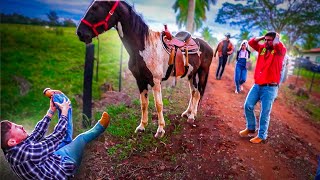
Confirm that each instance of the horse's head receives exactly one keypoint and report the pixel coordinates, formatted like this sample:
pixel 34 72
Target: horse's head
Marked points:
pixel 98 19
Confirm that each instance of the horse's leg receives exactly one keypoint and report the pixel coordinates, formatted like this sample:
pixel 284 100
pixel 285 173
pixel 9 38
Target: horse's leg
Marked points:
pixel 191 111
pixel 194 102
pixel 188 111
pixel 144 100
pixel 197 92
pixel 159 106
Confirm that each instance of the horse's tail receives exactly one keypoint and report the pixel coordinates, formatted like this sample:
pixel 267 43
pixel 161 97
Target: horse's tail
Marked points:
pixel 206 59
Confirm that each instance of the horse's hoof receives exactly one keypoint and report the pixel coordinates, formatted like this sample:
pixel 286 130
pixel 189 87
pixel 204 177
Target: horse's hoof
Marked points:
pixel 159 134
pixel 185 115
pixel 138 130
pixel 190 121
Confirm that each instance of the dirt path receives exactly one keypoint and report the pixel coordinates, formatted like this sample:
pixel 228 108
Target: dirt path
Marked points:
pixel 293 143
pixel 213 149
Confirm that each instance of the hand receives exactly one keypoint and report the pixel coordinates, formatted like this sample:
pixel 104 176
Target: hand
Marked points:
pixel 259 38
pixel 64 106
pixel 276 39
pixel 52 106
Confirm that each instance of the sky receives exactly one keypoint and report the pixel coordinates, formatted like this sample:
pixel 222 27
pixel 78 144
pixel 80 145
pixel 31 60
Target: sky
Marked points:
pixel 154 12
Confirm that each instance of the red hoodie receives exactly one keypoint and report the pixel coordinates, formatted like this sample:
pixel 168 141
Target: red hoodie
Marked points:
pixel 269 65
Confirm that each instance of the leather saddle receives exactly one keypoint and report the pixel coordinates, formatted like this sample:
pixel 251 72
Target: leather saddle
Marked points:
pixel 178 47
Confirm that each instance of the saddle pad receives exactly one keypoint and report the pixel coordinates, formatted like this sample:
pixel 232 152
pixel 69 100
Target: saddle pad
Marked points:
pixel 179 64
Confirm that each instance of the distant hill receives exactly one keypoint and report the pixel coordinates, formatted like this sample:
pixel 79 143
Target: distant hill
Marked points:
pixel 21 19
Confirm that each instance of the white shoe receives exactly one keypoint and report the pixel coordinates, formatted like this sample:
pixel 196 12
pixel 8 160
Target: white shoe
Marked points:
pixel 236 92
pixel 241 88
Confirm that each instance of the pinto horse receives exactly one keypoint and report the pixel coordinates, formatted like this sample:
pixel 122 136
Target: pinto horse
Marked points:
pixel 148 60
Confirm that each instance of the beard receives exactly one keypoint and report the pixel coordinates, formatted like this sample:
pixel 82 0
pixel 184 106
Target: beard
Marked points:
pixel 269 47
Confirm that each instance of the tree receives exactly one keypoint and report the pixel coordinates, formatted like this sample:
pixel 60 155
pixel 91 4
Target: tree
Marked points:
pixel 192 16
pixel 191 9
pixel 68 23
pixel 207 35
pixel 53 18
pixel 20 19
pixel 295 18
pixel 310 41
pixel 244 35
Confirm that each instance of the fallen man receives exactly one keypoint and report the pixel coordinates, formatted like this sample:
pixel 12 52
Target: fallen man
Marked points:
pixel 37 157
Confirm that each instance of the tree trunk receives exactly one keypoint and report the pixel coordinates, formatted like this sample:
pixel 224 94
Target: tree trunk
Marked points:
pixel 190 18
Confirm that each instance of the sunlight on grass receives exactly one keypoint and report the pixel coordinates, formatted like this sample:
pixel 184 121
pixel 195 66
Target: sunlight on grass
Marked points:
pixel 123 123
pixel 49 57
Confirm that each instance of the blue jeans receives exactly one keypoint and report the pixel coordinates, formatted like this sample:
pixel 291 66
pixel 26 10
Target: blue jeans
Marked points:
pixel 222 63
pixel 74 150
pixel 68 137
pixel 240 74
pixel 267 95
pixel 318 170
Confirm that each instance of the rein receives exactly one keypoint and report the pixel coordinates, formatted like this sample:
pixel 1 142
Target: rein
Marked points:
pixel 103 22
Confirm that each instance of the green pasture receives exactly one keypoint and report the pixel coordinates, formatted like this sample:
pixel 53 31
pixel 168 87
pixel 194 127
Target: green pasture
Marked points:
pixel 309 104
pixel 308 75
pixel 36 57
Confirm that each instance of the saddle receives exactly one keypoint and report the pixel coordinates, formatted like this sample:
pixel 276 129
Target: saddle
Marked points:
pixel 178 47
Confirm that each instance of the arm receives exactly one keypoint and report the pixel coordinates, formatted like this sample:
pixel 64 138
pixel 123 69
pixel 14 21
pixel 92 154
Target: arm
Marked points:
pixel 254 42
pixel 231 49
pixel 249 53
pixel 39 151
pixel 237 55
pixel 279 46
pixel 42 126
pixel 215 53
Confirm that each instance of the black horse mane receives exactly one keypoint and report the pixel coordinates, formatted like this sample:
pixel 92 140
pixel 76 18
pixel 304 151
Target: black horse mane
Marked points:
pixel 137 23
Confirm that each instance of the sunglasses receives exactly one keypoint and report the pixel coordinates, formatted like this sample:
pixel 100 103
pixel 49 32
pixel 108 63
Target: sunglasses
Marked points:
pixel 268 40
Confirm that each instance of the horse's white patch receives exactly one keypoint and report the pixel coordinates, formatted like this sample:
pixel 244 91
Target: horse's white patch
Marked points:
pixel 119 28
pixel 154 55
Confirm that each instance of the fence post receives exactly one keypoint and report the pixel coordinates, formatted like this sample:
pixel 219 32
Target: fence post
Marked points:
pixel 120 72
pixel 98 59
pixel 314 73
pixel 298 74
pixel 87 85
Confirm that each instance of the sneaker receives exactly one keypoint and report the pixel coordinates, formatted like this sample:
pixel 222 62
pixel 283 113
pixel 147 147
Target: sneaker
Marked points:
pixel 236 92
pixel 246 132
pixel 241 88
pixel 256 140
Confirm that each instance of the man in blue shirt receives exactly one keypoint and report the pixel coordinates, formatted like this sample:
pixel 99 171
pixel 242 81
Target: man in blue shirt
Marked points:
pixel 37 157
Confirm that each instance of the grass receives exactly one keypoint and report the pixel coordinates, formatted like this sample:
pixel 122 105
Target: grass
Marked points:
pixel 308 75
pixel 122 127
pixel 49 57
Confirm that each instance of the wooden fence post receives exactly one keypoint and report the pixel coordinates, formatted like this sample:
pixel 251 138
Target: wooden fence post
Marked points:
pixel 314 74
pixel 120 70
pixel 87 86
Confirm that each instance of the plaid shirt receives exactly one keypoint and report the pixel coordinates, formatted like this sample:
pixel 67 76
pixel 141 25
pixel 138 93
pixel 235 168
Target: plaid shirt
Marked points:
pixel 34 158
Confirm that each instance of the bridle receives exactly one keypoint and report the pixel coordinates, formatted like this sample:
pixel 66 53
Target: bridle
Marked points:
pixel 103 22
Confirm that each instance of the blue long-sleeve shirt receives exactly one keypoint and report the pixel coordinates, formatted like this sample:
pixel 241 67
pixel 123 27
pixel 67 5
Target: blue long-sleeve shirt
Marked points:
pixel 34 158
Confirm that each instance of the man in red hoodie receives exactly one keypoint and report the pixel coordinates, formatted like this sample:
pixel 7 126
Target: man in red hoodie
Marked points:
pixel 266 78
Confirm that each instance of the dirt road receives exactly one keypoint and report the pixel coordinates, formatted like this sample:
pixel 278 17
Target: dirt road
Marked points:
pixel 293 143
pixel 214 150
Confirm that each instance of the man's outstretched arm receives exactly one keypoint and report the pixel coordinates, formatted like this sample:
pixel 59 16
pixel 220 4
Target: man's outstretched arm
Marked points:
pixel 42 126
pixel 40 150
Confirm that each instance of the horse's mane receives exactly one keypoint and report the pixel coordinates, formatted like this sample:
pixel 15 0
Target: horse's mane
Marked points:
pixel 137 23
